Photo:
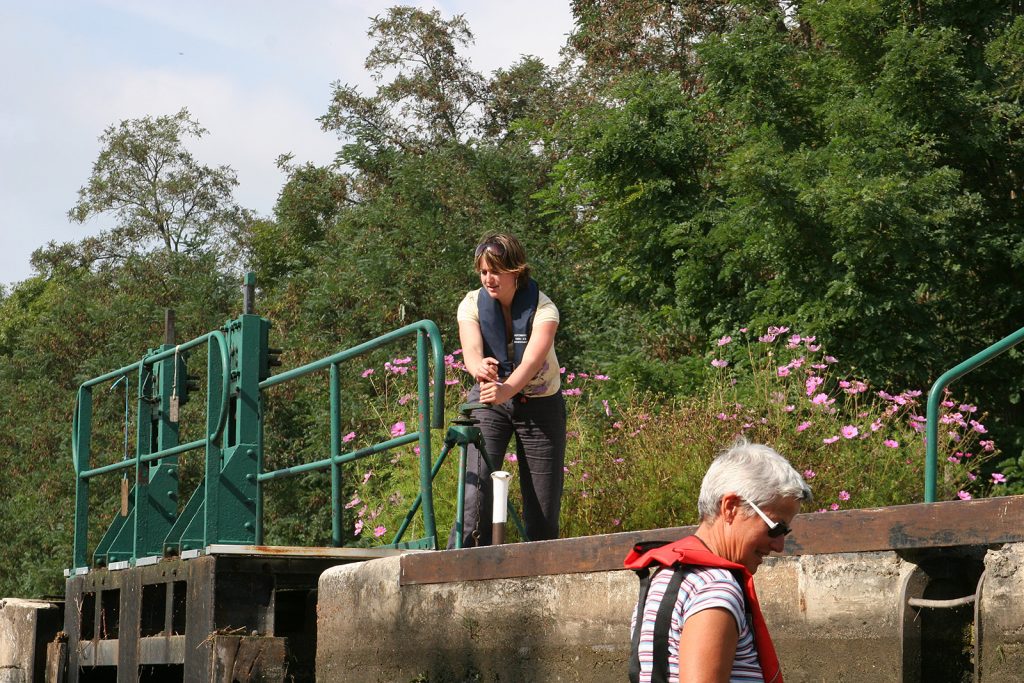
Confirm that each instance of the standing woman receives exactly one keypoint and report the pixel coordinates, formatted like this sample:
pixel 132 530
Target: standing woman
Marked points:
pixel 507 329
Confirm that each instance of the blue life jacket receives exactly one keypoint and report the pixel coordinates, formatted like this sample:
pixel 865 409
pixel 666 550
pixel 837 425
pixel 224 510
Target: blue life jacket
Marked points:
pixel 492 326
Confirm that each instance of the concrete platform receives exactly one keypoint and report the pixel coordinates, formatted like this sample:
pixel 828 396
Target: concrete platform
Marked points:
pixel 840 604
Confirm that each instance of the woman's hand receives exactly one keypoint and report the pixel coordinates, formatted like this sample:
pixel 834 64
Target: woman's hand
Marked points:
pixel 487 371
pixel 494 393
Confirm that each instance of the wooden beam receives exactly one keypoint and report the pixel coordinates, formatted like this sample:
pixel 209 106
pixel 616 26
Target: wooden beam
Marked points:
pixel 982 522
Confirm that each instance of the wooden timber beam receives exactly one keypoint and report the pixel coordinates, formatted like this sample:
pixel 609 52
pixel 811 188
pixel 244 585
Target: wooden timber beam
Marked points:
pixel 987 521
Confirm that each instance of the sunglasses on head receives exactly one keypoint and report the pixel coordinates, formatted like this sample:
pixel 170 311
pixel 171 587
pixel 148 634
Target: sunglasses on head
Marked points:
pixel 493 247
pixel 775 529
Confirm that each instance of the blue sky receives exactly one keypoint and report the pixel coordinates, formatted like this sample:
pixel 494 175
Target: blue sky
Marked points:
pixel 255 74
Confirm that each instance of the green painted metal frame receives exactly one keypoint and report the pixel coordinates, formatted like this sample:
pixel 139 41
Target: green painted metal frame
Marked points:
pixel 935 398
pixel 426 332
pixel 227 505
pixel 154 493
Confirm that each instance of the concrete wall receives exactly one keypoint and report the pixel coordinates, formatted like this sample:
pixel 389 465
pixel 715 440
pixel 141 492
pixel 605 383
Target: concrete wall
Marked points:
pixel 25 628
pixel 834 617
pixel 1002 616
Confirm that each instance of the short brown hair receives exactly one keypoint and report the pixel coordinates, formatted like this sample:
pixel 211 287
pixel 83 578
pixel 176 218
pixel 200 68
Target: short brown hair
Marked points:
pixel 503 253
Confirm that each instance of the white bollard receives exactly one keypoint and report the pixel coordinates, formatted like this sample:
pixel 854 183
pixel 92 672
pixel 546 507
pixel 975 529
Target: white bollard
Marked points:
pixel 499 510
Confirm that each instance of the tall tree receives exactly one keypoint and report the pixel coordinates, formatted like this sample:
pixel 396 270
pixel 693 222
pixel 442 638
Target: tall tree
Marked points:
pixel 160 196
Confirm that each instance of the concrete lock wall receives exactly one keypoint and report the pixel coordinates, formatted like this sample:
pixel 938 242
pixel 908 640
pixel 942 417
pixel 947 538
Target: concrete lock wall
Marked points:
pixel 25 627
pixel 833 617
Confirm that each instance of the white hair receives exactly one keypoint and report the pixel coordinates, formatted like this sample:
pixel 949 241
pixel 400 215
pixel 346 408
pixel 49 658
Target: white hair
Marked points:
pixel 754 472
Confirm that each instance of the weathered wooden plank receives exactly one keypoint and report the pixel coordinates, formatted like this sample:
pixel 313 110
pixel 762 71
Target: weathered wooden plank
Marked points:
pixel 927 525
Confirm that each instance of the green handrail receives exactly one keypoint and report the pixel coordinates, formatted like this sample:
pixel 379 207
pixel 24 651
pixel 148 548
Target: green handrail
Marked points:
pixel 82 427
pixel 428 418
pixel 935 398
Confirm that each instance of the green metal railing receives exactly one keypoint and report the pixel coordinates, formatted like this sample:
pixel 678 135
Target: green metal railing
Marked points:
pixel 935 399
pixel 227 505
pixel 425 331
pixel 156 514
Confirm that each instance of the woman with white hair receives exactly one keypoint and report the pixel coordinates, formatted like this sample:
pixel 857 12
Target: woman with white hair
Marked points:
pixel 698 618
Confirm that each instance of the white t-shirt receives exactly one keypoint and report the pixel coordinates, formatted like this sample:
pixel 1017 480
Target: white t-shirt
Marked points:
pixel 548 379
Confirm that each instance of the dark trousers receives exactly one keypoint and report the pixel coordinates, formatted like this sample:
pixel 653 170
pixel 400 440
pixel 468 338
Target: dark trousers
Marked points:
pixel 539 427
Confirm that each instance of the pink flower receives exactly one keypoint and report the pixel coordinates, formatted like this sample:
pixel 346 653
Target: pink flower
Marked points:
pixel 724 340
pixel 831 359
pixel 802 426
pixel 793 342
pixel 844 495
pixel 812 384
pixel 968 408
pixel 358 527
pixel 989 446
pixel 718 363
pixel 616 425
pixel 571 392
pixel 876 425
pixel 366 477
pixel 607 410
pixel 788 409
pixel 963 495
pixel 616 522
pixel 978 427
pixel 783 371
pixel 450 382
pixel 416 450
pixel 511 457
pixel 809 474
pixel 348 437
pixel 892 443
pixel 618 461
pixel 379 531
pixel 833 507
pixel 722 416
pixel 849 431
pixel 602 378
pixel 352 503
pixel 831 439
pixel 766 338
pixel 821 399
pixel 998 478
pixel 561 370
pixel 398 429
pixel 953 459
pixel 367 372
pixel 402 361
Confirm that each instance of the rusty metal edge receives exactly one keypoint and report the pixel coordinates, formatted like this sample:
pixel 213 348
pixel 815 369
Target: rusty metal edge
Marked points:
pixel 987 521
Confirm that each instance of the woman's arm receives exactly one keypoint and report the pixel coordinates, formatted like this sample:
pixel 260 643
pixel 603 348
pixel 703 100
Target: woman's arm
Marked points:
pixel 707 646
pixel 542 338
pixel 482 369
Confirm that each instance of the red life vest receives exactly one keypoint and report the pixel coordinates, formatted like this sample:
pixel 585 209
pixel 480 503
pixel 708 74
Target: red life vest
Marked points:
pixel 691 551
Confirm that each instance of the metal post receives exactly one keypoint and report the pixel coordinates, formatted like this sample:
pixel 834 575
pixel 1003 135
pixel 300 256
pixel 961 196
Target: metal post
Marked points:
pixel 337 536
pixel 169 333
pixel 249 294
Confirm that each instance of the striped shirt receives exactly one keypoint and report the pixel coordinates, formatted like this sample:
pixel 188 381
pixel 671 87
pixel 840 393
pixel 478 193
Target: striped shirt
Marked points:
pixel 702 588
